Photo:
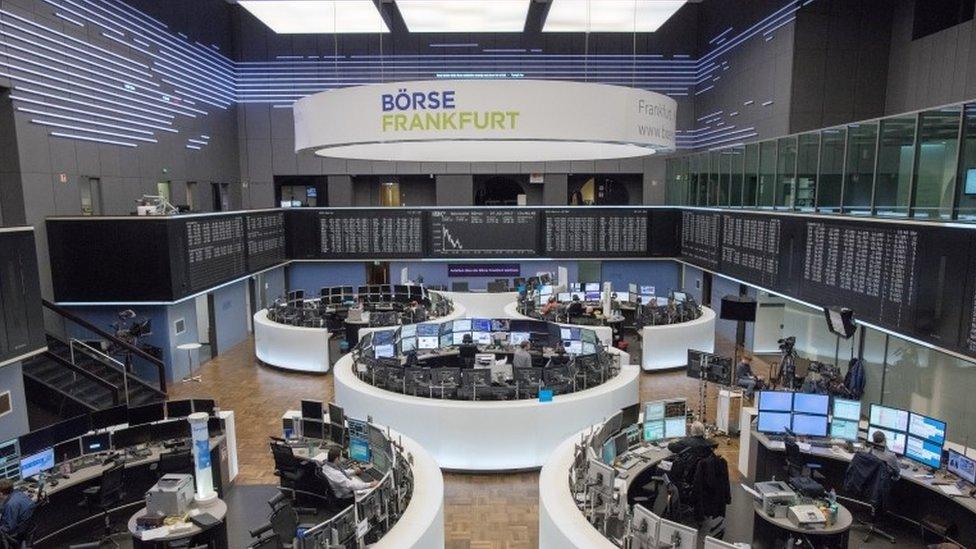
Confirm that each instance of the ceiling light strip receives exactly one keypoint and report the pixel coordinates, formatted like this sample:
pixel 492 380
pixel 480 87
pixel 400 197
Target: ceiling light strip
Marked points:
pixel 89 130
pixel 94 139
pixel 83 121
pixel 30 101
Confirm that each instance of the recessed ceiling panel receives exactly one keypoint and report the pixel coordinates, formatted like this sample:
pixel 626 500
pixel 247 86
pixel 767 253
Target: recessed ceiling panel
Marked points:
pixel 609 15
pixel 317 16
pixel 464 15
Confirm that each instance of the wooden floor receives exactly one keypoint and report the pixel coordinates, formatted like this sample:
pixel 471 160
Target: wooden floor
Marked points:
pixel 486 511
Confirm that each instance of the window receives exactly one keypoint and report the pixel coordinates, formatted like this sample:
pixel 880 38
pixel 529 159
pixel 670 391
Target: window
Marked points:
pixel 935 176
pixel 767 174
pixel 967 172
pixel 737 155
pixel 724 164
pixel 859 177
pixel 831 177
pixel 714 167
pixel 91 196
pixel 191 193
pixel 702 198
pixel 693 180
pixel 785 172
pixel 751 182
pixel 896 154
pixel 808 153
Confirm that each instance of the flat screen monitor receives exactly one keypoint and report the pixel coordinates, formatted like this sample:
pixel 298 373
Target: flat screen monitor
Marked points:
pixel 35 441
pixel 609 453
pixel 35 464
pixel 592 296
pixel 679 296
pixel 116 415
pixel 131 436
pixel 588 336
pixel 844 429
pixel 775 401
pixel 810 425
pixel 481 324
pixel 500 325
pixel 170 430
pixel 654 410
pixel 927 428
pixel 545 289
pixel 924 452
pixel 889 418
pixel 362 290
pixel 313 429
pixel 773 422
pixel 807 403
pixel 676 408
pixel 359 449
pixel 675 427
pixel 481 338
pixel 179 408
pixel 384 337
pixel 577 296
pixel 573 347
pixel 93 444
pixel 623 297
pixel 895 441
pixel 462 325
pixel 384 351
pixel 563 297
pixel 588 348
pixel 408 344
pixel 647 290
pixel 516 338
pixel 67 450
pixel 428 330
pixel 564 333
pixel 575 287
pixel 446 340
pixel 149 413
pixel 457 338
pixel 653 429
pixel 591 287
pixel 621 443
pixel 672 534
pixel 337 415
pixel 424 342
pixel 312 409
pixel 70 428
pixel 962 466
pixel 847 409
pixel 408 330
pixel 971 181
pixel 205 405
pixel 8 450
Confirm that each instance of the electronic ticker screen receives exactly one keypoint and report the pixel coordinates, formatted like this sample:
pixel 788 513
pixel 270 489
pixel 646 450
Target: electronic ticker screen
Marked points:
pixel 265 239
pixel 600 232
pixel 373 233
pixel 484 233
pixel 214 250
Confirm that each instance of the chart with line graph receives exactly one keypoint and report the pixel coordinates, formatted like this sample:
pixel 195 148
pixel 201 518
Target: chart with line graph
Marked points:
pixel 484 233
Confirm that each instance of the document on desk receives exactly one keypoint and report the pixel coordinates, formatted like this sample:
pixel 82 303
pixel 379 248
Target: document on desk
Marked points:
pixel 154 533
pixel 950 490
pixel 803 446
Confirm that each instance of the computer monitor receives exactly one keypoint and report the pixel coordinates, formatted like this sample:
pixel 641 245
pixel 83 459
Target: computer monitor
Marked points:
pixel 962 466
pixel 70 428
pixel 600 475
pixel 457 338
pixel 116 415
pixel 481 338
pixel 679 296
pixel 654 410
pixel 574 347
pixel 462 325
pixel 609 452
pixel 591 296
pixel 672 534
pixel 808 403
pixel 359 449
pixel 889 418
pixel 773 422
pixel 675 427
pixel 578 296
pixel 647 290
pixel 847 409
pixel 516 338
pixel 179 408
pixel 149 413
pixel 205 405
pixel 384 351
pixel 621 443
pixel 810 425
pixel 844 429
pixel 481 324
pixel 676 408
pixel 927 428
pixel 93 444
pixel 312 428
pixel 312 409
pixel 712 543
pixel 922 451
pixel 337 415
pixel 591 287
pixel 427 342
pixel 170 430
pixel 563 297
pixel 67 450
pixel 644 527
pixel 408 330
pixel 623 297
pixel 35 464
pixel 35 441
pixel 653 430
pixel 131 436
pixel 894 440
pixel 775 401
pixel 408 344
pixel 384 337
pixel 545 289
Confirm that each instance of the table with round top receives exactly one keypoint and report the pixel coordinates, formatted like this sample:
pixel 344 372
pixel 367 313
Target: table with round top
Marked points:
pixel 189 348
pixel 214 536
pixel 767 530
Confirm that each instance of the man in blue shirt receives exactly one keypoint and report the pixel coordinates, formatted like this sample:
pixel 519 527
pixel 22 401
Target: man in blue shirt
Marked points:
pixel 16 512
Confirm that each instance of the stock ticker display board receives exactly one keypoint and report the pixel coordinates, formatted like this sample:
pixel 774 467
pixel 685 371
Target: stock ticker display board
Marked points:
pixel 367 234
pixel 700 238
pixel 584 232
pixel 215 250
pixel 265 239
pixel 483 233
pixel 751 248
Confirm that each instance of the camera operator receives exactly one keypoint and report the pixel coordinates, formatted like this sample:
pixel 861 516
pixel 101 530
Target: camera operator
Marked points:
pixel 745 378
pixel 787 371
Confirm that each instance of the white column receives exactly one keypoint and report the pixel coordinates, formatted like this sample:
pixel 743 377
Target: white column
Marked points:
pixel 201 458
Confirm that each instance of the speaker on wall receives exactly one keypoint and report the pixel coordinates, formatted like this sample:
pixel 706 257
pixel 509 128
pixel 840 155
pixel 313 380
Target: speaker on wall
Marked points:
pixel 739 308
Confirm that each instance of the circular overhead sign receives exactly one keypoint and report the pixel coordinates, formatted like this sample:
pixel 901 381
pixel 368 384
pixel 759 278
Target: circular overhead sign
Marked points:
pixel 485 121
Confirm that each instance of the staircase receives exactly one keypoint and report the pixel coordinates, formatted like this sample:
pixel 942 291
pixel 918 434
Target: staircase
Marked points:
pixel 77 375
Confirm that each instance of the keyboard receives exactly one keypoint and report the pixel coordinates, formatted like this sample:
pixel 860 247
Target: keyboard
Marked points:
pixel 820 443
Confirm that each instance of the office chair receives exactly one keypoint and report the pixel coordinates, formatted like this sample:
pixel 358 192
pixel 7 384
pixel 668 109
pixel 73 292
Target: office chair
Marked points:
pixel 868 480
pixel 796 466
pixel 332 502
pixel 264 537
pixel 109 493
pixel 287 467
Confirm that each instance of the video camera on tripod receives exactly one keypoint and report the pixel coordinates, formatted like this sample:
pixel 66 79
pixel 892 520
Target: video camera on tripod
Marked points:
pixel 709 367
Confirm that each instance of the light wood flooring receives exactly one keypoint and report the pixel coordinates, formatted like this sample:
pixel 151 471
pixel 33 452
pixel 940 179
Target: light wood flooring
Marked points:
pixel 487 511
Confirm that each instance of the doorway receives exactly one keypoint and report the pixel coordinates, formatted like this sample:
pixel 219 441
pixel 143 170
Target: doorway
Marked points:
pixel 221 198
pixel 206 327
pixel 191 193
pixel 378 272
pixel 91 196
pixel 164 190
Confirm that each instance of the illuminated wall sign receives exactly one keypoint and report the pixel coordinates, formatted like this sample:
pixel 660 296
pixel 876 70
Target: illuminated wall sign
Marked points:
pixel 464 120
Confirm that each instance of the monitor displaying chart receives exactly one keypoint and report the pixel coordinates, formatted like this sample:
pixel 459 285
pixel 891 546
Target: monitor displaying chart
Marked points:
pixel 653 430
pixel 895 441
pixel 927 428
pixel 847 409
pixel 889 418
pixel 924 452
pixel 844 429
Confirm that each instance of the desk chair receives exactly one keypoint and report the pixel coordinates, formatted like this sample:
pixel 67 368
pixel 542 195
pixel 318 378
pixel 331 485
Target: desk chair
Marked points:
pixel 288 468
pixel 284 520
pixel 796 464
pixel 264 537
pixel 109 493
pixel 333 503
pixel 868 480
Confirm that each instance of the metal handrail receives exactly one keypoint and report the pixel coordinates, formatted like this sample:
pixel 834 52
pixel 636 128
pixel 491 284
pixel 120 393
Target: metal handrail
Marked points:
pixel 104 357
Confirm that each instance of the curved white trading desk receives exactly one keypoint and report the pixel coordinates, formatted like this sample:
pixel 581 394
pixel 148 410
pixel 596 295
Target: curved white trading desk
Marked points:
pixel 561 524
pixel 486 435
pixel 290 347
pixel 666 346
pixel 604 333
pixel 482 304
pixel 422 525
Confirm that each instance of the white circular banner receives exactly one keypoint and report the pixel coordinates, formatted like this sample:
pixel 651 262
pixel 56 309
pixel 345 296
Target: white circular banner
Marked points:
pixel 485 120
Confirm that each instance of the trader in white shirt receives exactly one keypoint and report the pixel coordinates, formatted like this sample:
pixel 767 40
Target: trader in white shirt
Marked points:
pixel 343 482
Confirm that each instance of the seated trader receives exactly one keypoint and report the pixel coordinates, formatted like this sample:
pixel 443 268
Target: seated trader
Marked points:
pixel 522 358
pixel 15 515
pixel 878 445
pixel 575 307
pixel 695 439
pixel 550 306
pixel 416 311
pixel 745 378
pixel 467 351
pixel 343 483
